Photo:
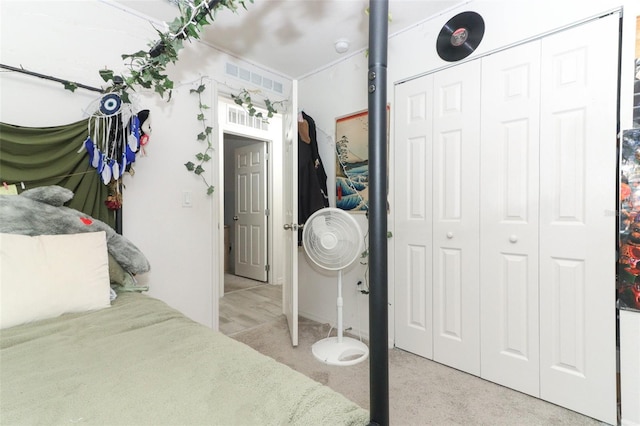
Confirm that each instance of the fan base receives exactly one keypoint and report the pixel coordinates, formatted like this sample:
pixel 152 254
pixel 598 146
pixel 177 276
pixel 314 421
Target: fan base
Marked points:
pixel 348 352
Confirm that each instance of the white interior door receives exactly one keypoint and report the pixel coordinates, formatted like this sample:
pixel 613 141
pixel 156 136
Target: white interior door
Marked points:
pixel 290 286
pixel 509 182
pixel 413 252
pixel 456 195
pixel 250 219
pixel 577 223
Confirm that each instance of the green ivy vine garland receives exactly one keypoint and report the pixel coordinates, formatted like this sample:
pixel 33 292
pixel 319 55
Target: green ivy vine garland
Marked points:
pixel 244 100
pixel 147 69
pixel 204 136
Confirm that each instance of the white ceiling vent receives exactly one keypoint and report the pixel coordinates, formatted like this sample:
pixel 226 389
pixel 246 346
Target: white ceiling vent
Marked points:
pixel 253 77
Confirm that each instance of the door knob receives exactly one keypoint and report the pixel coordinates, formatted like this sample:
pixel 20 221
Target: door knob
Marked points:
pixel 292 226
pixel 513 238
pixel 235 218
pixel 449 234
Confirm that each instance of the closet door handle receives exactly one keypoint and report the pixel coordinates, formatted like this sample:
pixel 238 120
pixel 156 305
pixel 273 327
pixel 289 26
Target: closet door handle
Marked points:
pixel 513 238
pixel 449 235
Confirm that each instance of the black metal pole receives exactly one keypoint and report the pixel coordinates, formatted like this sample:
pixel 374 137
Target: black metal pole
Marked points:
pixel 49 77
pixel 378 299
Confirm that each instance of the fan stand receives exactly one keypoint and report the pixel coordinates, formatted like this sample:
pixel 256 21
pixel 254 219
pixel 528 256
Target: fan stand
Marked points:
pixel 341 351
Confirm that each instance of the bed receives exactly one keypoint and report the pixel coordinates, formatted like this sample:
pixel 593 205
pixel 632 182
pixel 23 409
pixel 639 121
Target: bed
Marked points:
pixel 71 353
pixel 141 362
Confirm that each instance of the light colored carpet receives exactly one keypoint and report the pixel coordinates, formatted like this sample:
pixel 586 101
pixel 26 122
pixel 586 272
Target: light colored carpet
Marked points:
pixel 421 392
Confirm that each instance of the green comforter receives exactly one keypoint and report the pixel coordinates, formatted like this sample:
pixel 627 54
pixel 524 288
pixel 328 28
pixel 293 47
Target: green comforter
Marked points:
pixel 140 362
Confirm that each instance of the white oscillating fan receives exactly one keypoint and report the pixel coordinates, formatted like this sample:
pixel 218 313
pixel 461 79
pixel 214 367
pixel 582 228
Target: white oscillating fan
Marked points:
pixel 332 239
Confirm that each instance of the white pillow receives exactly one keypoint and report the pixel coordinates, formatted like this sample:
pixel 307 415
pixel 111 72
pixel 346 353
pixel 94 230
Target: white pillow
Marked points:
pixel 48 275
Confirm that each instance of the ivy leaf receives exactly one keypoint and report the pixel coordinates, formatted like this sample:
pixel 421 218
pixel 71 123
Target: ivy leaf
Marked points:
pixel 200 156
pixel 138 54
pixel 190 166
pixel 208 130
pixel 192 31
pixel 125 97
pixel 210 190
pixel 202 136
pixel 203 106
pixel 70 86
pixel 206 157
pixel 199 170
pixel 201 117
pixel 106 75
pixel 176 24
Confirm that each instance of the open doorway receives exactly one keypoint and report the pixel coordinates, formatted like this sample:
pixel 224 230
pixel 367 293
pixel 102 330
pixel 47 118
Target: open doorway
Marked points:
pixel 246 209
pixel 250 156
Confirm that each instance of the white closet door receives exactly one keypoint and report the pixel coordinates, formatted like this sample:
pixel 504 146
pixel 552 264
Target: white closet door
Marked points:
pixel 577 220
pixel 413 216
pixel 509 217
pixel 456 150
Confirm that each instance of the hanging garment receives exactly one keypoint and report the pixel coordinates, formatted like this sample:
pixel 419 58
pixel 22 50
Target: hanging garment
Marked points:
pixel 317 161
pixel 312 179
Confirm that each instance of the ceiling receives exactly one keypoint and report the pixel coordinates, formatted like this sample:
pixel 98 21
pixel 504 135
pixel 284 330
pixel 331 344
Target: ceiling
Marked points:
pixel 296 37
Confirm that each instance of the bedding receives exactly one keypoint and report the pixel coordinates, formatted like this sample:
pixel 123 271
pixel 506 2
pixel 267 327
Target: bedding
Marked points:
pixel 141 362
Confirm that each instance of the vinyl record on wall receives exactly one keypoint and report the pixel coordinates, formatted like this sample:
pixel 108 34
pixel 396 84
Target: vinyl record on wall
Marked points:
pixel 460 36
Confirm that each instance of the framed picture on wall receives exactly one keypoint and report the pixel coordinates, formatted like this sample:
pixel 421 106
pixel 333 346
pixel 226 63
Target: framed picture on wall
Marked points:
pixel 352 161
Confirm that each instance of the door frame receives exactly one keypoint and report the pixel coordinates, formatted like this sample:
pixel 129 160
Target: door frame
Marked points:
pixel 275 243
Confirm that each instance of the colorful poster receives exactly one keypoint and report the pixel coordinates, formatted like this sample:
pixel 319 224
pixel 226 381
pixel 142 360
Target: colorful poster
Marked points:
pixel 628 271
pixel 352 161
pixel 636 85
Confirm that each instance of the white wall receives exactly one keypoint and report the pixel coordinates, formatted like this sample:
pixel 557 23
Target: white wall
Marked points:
pixel 75 39
pixel 342 89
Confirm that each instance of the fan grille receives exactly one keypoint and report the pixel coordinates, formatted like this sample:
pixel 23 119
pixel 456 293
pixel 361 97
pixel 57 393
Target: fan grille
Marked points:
pixel 332 238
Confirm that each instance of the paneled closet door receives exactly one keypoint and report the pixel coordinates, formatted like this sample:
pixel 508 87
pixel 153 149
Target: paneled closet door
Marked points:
pixel 456 153
pixel 509 218
pixel 413 216
pixel 577 219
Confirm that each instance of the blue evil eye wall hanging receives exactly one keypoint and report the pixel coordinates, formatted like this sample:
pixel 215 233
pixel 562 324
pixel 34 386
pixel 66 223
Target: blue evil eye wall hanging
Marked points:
pixel 110 104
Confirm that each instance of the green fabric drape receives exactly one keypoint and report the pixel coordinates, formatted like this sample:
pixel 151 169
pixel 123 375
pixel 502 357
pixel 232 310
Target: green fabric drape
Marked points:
pixel 49 156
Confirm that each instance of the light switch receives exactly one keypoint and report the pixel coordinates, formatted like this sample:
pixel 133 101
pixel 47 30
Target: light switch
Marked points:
pixel 186 199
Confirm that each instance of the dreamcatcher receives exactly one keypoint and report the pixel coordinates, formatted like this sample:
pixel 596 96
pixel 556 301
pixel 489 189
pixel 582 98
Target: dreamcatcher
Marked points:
pixel 115 134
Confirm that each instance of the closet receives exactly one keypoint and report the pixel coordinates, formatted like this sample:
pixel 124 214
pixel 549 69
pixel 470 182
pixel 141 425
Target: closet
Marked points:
pixel 505 194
